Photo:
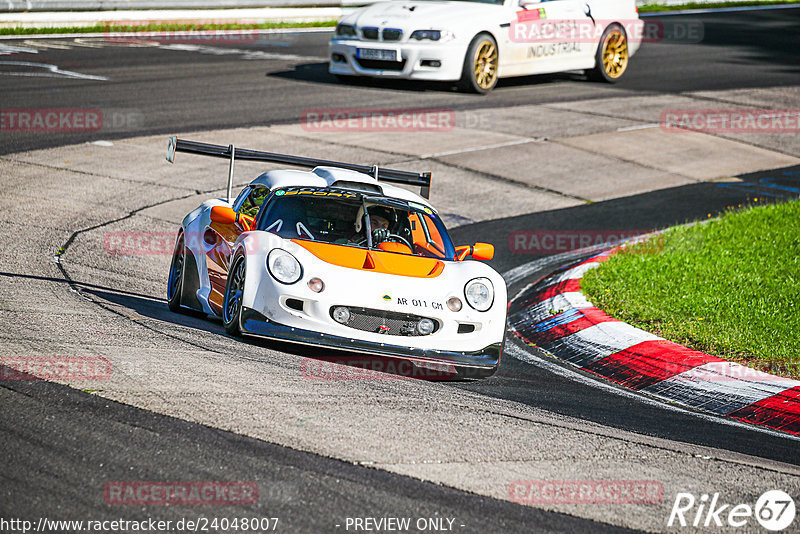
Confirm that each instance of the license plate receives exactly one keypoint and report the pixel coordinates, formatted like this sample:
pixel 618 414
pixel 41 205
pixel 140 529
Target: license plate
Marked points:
pixel 376 53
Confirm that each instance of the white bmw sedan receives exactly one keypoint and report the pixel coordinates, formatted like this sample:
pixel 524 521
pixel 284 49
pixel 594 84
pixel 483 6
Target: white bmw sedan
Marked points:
pixel 476 42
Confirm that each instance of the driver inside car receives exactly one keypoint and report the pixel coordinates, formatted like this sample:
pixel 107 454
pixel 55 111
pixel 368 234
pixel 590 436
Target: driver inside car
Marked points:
pixel 380 229
pixel 387 233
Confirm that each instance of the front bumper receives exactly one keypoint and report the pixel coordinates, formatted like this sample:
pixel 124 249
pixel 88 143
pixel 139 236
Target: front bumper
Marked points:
pixel 450 56
pixel 256 324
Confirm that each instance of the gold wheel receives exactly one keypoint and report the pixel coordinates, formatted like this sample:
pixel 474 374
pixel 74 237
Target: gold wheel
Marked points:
pixel 615 53
pixel 485 65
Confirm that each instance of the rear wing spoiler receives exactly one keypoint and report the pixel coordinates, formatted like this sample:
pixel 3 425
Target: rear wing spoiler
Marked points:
pixel 421 180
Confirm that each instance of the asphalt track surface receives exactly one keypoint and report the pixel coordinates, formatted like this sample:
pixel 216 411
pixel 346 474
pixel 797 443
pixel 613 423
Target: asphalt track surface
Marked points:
pixel 59 441
pixel 176 91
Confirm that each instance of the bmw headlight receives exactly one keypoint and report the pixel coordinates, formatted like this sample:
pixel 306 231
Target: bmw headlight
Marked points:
pixel 432 35
pixel 345 30
pixel 283 266
pixel 479 293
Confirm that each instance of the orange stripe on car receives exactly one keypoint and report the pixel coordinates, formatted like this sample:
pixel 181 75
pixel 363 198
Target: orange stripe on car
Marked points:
pixel 374 260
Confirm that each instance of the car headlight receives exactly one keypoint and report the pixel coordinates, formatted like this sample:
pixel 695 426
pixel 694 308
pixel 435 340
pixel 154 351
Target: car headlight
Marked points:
pixel 432 35
pixel 479 293
pixel 283 266
pixel 345 30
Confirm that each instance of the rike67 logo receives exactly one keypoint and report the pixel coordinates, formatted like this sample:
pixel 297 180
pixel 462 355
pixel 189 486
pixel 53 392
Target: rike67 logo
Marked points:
pixel 774 510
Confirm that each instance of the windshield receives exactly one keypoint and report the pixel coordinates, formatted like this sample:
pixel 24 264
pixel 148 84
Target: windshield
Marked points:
pixel 340 218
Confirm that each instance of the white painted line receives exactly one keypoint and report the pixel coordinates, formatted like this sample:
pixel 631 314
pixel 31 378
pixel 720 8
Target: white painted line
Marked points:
pixel 720 387
pixel 555 305
pixel 246 54
pixel 640 127
pixel 164 33
pixel 575 273
pixel 49 45
pixel 484 147
pixel 85 44
pixel 52 71
pixel 8 50
pixel 604 339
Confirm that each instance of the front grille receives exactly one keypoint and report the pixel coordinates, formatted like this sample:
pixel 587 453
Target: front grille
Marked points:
pixel 392 35
pixel 380 64
pixel 370 33
pixel 388 323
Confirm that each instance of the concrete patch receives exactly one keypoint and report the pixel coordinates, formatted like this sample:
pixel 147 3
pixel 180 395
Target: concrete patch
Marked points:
pixel 558 167
pixel 411 143
pixel 695 155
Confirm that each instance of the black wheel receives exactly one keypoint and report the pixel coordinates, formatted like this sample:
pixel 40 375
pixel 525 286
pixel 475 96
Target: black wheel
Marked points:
pixel 232 303
pixel 611 58
pixel 175 282
pixel 479 73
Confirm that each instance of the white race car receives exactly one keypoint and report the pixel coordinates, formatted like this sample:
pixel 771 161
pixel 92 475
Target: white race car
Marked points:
pixel 475 42
pixel 337 257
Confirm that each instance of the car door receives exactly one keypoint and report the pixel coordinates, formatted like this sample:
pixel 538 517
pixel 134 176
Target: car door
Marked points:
pixel 219 238
pixel 551 36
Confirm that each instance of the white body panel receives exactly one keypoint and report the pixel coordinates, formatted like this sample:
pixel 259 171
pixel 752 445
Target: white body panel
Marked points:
pixel 360 288
pixel 352 287
pixel 465 20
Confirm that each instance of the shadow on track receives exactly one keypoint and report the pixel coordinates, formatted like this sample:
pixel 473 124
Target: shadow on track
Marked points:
pixel 318 363
pixel 318 73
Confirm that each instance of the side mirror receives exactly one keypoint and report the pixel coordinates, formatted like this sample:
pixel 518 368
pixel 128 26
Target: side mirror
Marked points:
pixel 478 251
pixel 223 215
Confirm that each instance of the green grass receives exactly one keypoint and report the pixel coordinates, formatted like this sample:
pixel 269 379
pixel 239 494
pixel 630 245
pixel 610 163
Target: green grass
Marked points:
pixel 648 8
pixel 121 28
pixel 730 287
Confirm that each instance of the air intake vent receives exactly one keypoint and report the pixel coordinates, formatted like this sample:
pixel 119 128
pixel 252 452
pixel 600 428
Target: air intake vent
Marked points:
pixel 357 186
pixel 385 322
pixel 295 304
pixel 390 34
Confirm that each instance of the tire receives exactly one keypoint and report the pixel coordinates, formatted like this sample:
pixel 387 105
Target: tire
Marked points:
pixel 611 58
pixel 232 302
pixel 479 73
pixel 176 275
